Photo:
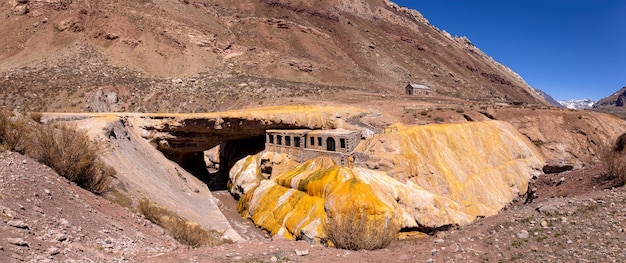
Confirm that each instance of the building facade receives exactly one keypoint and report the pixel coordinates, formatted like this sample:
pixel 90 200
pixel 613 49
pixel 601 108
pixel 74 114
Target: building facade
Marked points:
pixel 305 144
pixel 417 89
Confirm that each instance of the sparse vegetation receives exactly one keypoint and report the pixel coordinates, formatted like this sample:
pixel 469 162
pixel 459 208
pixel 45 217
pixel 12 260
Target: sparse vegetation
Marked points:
pixel 355 231
pixel 183 231
pixel 13 132
pixel 120 198
pixel 614 161
pixel 71 154
pixel 63 148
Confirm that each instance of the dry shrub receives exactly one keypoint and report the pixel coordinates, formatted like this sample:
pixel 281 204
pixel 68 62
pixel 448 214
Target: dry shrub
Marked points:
pixel 116 196
pixel 72 155
pixel 14 132
pixel 65 149
pixel 183 231
pixel 355 231
pixel 193 235
pixel 615 164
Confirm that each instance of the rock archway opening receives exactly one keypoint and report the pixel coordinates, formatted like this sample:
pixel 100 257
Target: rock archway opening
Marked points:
pixel 212 166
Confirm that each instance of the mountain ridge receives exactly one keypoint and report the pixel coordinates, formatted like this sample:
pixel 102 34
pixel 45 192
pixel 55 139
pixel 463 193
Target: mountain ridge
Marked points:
pixel 613 104
pixel 617 99
pixel 373 47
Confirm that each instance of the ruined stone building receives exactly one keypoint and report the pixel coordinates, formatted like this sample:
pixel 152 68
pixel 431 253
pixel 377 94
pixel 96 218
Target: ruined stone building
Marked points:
pixel 417 89
pixel 306 144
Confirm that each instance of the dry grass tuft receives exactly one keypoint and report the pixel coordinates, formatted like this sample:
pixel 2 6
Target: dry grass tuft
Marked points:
pixel 118 197
pixel 355 231
pixel 183 231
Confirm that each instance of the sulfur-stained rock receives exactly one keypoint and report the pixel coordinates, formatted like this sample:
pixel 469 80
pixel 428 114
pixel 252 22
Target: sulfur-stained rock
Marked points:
pixel 434 176
pixel 297 204
pixel 482 166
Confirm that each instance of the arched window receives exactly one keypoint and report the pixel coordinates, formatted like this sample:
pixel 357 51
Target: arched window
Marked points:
pixel 330 144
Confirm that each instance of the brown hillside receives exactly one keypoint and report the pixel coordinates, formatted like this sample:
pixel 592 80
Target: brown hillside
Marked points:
pixel 614 104
pixel 617 99
pixel 167 55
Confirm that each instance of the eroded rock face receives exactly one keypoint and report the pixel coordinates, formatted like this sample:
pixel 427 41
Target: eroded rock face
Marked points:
pixel 566 138
pixel 482 166
pixel 421 176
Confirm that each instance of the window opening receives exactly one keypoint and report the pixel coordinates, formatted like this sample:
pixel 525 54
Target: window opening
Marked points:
pixel 330 144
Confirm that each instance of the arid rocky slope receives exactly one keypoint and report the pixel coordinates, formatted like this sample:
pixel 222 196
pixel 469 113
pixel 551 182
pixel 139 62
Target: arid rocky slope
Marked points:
pixel 45 218
pixel 614 104
pixel 195 56
pixel 572 220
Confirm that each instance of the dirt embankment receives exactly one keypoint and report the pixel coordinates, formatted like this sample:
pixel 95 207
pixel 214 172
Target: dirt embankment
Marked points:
pixel 45 218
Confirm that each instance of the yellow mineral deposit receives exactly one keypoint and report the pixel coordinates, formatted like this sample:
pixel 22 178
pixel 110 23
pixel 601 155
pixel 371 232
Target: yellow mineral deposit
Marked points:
pixel 480 165
pixel 296 203
pixel 439 175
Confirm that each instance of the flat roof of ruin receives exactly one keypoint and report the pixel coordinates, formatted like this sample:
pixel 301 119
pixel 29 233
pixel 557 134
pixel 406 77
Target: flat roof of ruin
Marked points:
pixel 314 132
pixel 419 86
pixel 334 132
pixel 294 131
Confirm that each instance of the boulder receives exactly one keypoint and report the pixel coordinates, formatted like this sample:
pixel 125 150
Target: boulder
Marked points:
pixel 557 168
pixel 20 9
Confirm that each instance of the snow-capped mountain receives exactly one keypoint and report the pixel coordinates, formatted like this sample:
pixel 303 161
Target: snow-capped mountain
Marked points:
pixel 577 104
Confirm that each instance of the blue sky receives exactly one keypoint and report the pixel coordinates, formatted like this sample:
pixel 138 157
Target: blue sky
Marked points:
pixel 571 49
